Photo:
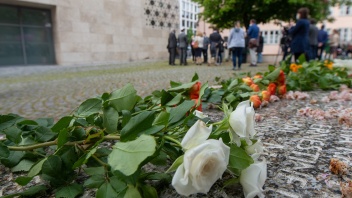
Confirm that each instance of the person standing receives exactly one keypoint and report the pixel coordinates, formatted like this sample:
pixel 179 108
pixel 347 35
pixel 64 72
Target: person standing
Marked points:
pixel 260 48
pixel 253 33
pixel 205 47
pixel 198 47
pixel 313 39
pixel 236 43
pixel 215 39
pixel 182 43
pixel 334 43
pixel 171 45
pixel 300 34
pixel 322 40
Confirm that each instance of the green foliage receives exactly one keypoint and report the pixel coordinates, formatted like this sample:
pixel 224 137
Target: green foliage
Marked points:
pixel 224 13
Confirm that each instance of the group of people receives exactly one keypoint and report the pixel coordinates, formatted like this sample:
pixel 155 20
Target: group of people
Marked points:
pixel 305 38
pixel 200 45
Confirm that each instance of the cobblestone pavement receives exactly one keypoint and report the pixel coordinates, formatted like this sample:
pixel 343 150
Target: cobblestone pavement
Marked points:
pixel 54 91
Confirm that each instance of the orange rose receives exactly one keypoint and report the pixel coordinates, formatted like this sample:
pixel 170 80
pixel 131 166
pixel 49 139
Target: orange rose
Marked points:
pixel 272 88
pixel 199 108
pixel 266 96
pixel 281 79
pixel 255 87
pixel 194 91
pixel 258 76
pixel 256 101
pixel 248 81
pixel 282 90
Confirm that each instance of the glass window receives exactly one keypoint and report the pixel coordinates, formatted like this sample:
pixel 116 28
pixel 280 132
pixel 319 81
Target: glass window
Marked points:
pixel 9 14
pixel 183 23
pixel 11 51
pixel 35 17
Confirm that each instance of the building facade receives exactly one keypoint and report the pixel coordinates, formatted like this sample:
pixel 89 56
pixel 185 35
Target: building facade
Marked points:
pixel 77 32
pixel 189 15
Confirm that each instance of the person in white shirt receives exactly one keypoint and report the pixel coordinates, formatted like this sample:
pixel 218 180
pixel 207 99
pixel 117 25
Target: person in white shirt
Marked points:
pixel 198 47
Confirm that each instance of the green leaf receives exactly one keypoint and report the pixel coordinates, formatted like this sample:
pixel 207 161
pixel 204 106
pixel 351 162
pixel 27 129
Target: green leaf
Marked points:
pixel 89 107
pixel 273 75
pixel 23 180
pixel 175 101
pixel 35 170
pixel 8 121
pixel 162 119
pixel 117 184
pixel 179 112
pixel 110 120
pixel 195 77
pixel 29 192
pixel 64 122
pixel 149 191
pixel 126 116
pixel 183 87
pixel 44 134
pixel 157 176
pixel 124 98
pixel 94 181
pixel 62 138
pixel 232 181
pixel 13 159
pixel 84 158
pixel 24 165
pixel 4 151
pixel 154 129
pixel 132 192
pixel 70 191
pixel 13 134
pixel 95 170
pixel 106 191
pixel 165 97
pixel 233 84
pixel 126 157
pixel 45 122
pixel 176 164
pixel 174 84
pixel 52 165
pixel 201 92
pixel 239 159
pixel 137 125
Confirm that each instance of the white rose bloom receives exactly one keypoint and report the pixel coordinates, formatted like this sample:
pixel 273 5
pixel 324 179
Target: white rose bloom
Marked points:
pixel 196 135
pixel 202 166
pixel 255 148
pixel 242 119
pixel 200 114
pixel 253 178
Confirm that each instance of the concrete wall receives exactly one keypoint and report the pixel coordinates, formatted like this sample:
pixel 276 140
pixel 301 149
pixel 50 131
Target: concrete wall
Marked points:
pixel 102 31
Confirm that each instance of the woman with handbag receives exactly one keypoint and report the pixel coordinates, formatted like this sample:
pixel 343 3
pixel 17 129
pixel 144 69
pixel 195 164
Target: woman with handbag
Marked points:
pixel 198 47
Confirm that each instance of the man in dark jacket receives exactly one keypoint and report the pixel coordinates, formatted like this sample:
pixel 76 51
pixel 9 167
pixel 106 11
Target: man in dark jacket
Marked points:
pixel 253 33
pixel 322 40
pixel 182 43
pixel 313 39
pixel 215 40
pixel 171 45
pixel 206 43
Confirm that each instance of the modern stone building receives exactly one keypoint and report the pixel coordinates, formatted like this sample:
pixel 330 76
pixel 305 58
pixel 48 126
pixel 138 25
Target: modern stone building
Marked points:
pixel 77 32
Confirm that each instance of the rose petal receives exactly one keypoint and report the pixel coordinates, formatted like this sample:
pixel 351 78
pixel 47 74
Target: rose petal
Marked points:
pixel 238 119
pixel 253 178
pixel 196 135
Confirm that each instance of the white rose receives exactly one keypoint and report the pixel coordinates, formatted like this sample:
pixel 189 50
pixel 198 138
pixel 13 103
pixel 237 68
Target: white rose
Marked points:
pixel 202 166
pixel 242 119
pixel 253 178
pixel 255 148
pixel 200 114
pixel 196 135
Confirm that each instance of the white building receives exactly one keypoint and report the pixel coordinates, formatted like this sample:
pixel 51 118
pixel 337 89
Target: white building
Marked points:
pixel 188 15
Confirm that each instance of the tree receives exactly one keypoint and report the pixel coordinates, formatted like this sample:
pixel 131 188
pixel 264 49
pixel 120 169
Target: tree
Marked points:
pixel 223 13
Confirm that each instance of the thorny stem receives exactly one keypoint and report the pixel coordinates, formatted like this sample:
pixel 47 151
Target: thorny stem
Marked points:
pixel 54 142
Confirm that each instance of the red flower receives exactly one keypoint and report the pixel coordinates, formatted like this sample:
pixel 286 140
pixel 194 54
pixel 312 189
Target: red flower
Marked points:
pixel 266 96
pixel 272 88
pixel 255 87
pixel 256 101
pixel 282 90
pixel 248 81
pixel 194 91
pixel 199 108
pixel 281 79
pixel 258 76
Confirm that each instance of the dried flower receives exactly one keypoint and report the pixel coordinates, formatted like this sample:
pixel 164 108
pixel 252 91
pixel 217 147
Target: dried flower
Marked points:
pixel 337 167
